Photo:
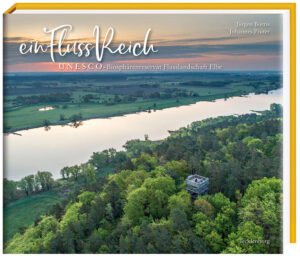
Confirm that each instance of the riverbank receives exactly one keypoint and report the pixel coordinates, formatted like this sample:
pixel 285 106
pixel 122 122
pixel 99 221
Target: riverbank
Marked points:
pixel 69 146
pixel 29 117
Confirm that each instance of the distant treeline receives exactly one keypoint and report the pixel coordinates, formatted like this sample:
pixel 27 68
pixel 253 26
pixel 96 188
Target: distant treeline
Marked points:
pixel 207 84
pixel 44 98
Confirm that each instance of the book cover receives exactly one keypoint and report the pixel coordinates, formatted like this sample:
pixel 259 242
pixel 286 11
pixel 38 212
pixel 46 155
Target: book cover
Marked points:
pixel 147 129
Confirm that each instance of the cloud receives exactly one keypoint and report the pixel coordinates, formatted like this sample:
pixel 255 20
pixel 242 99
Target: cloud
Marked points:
pixel 17 39
pixel 261 55
pixel 159 42
pixel 188 41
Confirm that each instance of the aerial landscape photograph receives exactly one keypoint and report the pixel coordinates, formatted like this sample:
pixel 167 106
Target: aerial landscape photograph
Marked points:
pixel 143 160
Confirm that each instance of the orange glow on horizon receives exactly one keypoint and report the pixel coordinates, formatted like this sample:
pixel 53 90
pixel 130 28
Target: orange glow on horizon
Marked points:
pixel 246 61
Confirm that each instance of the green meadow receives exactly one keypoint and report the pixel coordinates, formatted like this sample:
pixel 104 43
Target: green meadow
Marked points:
pixel 23 212
pixel 29 116
pixel 73 100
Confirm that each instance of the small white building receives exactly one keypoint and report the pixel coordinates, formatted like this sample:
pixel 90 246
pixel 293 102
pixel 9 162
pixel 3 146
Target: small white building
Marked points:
pixel 197 185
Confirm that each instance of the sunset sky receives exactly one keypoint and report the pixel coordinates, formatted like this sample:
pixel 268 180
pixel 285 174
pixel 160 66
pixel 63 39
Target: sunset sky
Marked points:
pixel 179 38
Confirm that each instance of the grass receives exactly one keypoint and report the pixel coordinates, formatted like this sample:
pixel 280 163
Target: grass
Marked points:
pixel 27 117
pixel 23 212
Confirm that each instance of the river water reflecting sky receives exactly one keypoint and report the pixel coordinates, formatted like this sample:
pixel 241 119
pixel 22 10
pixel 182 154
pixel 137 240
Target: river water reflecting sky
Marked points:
pixel 37 149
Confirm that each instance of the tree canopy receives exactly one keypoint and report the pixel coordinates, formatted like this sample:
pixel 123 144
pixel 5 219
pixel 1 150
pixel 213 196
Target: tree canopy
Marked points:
pixel 143 206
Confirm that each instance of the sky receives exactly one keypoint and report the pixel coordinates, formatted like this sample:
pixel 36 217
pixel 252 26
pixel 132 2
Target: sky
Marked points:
pixel 234 41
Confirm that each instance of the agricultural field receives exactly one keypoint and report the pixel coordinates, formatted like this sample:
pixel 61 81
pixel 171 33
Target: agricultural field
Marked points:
pixel 35 100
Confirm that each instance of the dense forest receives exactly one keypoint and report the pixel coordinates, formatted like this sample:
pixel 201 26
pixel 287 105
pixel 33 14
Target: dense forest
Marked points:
pixel 142 206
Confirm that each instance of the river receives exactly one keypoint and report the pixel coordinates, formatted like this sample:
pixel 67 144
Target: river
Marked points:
pixel 37 149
